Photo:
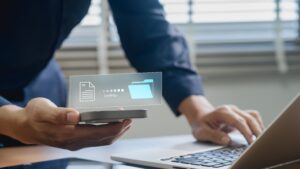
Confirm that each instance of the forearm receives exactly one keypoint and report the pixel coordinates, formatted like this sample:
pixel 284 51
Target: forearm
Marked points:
pixel 9 119
pixel 194 107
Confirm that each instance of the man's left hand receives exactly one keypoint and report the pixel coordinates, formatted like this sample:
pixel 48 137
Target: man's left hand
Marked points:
pixel 214 124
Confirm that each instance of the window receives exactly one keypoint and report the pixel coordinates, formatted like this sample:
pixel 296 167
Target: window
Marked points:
pixel 214 11
pixel 238 35
pixel 227 35
pixel 93 17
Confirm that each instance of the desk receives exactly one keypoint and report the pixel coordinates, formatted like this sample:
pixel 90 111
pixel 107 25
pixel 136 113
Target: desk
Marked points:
pixel 30 154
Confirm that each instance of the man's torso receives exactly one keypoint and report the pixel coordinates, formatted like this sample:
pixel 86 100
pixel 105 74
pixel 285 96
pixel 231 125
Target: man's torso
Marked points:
pixel 30 33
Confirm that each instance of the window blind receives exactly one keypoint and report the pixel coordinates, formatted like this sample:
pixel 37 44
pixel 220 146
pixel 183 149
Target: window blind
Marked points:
pixel 225 36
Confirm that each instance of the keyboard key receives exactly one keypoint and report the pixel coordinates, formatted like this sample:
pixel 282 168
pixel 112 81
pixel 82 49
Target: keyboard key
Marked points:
pixel 214 158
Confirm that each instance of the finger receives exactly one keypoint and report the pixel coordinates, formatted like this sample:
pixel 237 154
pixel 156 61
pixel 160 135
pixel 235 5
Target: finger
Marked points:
pixel 212 135
pixel 79 144
pixel 120 135
pixel 40 103
pixel 227 129
pixel 251 121
pixel 110 139
pixel 94 132
pixel 229 117
pixel 65 135
pixel 256 115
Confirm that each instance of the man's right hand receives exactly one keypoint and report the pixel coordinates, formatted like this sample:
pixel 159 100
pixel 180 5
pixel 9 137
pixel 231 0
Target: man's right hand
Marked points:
pixel 42 122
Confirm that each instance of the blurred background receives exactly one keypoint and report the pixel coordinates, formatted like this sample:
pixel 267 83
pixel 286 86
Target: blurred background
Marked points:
pixel 247 52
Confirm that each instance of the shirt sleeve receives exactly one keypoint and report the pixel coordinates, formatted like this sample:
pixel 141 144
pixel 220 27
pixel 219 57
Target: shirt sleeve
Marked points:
pixel 3 101
pixel 152 44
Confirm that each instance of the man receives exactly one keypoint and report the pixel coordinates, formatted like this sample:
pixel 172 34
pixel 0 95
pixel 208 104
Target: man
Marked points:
pixel 32 85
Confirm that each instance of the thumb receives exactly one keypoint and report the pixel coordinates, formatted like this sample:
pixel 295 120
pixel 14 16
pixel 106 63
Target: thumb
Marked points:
pixel 59 116
pixel 46 111
pixel 213 135
pixel 65 116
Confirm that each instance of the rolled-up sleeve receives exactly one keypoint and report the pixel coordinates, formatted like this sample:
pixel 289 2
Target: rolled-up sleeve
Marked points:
pixel 152 44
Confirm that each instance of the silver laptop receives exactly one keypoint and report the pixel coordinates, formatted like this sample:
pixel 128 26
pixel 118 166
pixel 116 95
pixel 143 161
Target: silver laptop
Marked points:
pixel 280 143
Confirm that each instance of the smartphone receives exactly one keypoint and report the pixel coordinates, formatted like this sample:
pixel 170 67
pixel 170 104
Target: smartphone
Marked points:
pixel 109 116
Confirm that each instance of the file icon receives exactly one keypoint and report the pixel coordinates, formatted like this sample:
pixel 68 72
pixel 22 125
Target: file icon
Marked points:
pixel 86 92
pixel 141 90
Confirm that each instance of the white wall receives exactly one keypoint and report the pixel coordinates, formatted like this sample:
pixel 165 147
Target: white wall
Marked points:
pixel 268 94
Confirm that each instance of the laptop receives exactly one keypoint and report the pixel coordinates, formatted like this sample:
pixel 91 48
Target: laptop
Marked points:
pixel 279 143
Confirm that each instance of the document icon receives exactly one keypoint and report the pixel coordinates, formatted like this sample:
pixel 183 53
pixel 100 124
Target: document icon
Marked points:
pixel 86 92
pixel 141 90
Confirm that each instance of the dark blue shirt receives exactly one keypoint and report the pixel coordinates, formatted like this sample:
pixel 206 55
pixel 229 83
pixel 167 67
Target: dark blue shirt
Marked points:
pixel 31 31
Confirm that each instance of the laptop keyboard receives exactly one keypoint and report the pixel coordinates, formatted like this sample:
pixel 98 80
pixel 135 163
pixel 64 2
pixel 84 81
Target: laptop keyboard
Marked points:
pixel 214 158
